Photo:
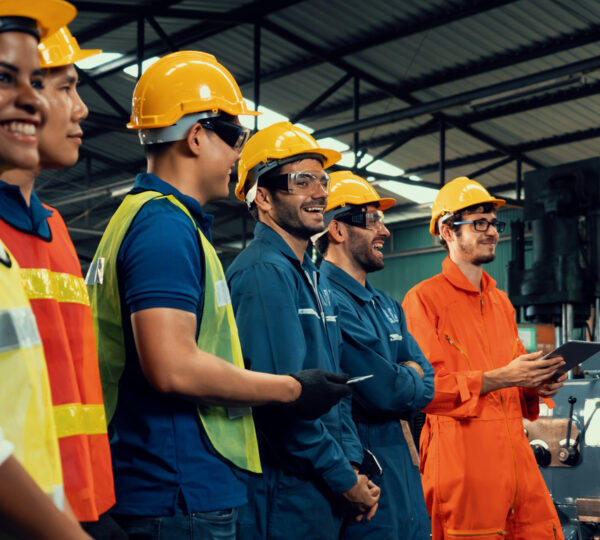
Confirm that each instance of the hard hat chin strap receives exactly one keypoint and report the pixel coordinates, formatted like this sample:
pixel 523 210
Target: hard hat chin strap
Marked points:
pixel 176 132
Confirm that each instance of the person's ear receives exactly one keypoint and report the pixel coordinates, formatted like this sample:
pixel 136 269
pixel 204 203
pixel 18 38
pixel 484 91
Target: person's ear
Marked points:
pixel 194 138
pixel 263 199
pixel 337 232
pixel 446 232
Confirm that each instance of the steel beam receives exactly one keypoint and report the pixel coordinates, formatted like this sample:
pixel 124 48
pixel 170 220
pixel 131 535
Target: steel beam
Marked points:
pixel 439 16
pixel 320 99
pixel 591 34
pixel 491 167
pixel 499 111
pixel 437 105
pixel 196 32
pixel 539 144
pixel 161 33
pixel 114 104
pixel 160 10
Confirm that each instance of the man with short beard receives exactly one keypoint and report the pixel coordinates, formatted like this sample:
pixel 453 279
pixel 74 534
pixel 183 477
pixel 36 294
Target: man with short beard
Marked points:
pixel 376 342
pixel 287 322
pixel 480 478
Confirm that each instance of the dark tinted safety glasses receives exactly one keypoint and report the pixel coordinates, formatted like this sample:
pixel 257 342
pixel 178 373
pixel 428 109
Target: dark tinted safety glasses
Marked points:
pixel 482 225
pixel 234 135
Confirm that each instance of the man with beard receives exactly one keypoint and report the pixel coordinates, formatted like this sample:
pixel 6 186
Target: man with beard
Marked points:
pixel 479 476
pixel 376 342
pixel 287 322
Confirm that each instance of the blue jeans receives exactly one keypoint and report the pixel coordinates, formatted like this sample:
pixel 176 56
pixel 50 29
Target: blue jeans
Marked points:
pixel 217 525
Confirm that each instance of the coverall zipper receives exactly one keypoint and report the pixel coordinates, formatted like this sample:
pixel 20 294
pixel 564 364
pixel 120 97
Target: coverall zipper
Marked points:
pixel 476 533
pixel 512 445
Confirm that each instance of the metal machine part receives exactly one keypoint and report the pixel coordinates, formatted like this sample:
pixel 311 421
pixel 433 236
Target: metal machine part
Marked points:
pixel 570 434
pixel 562 212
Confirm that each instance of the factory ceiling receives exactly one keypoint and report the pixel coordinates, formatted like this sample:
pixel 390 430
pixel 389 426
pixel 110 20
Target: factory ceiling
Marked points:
pixel 415 92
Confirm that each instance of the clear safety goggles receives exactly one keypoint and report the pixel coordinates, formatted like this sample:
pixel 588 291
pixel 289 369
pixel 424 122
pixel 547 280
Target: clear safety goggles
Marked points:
pixel 373 221
pixel 297 182
pixel 482 225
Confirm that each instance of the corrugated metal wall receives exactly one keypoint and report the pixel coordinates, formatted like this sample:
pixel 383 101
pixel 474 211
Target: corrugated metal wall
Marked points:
pixel 414 255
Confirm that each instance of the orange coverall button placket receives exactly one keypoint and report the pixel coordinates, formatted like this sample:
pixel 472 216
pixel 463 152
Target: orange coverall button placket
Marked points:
pixel 474 452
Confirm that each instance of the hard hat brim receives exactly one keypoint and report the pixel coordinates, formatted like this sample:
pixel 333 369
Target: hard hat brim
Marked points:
pixel 51 15
pixel 385 203
pixel 331 156
pixel 80 55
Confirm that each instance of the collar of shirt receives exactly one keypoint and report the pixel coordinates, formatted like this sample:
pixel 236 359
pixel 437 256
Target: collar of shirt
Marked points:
pixel 151 182
pixel 30 219
pixel 266 234
pixel 453 274
pixel 346 281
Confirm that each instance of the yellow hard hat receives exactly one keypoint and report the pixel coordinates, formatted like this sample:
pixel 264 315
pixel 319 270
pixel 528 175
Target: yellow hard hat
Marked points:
pixel 460 193
pixel 49 15
pixel 348 188
pixel 61 49
pixel 183 83
pixel 269 147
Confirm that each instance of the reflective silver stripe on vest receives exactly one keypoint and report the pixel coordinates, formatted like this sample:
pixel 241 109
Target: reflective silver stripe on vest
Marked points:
pixel 18 329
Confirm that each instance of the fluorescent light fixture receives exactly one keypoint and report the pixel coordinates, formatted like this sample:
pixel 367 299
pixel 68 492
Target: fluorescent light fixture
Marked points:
pixel 418 194
pixel 120 191
pixel 98 60
pixel 133 68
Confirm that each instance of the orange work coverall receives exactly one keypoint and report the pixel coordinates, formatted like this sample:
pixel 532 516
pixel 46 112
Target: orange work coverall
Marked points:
pixel 480 478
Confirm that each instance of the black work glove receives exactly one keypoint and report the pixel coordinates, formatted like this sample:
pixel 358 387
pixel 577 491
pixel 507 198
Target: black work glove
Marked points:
pixel 321 390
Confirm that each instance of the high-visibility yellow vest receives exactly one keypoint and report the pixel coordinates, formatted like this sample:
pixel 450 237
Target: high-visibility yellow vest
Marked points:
pixel 234 439
pixel 26 415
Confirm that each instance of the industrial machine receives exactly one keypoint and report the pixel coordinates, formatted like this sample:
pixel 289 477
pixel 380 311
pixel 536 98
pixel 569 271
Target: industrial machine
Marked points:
pixel 554 277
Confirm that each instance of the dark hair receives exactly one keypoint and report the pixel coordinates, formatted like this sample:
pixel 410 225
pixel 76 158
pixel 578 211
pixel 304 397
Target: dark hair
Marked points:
pixel 322 244
pixel 484 208
pixel 155 150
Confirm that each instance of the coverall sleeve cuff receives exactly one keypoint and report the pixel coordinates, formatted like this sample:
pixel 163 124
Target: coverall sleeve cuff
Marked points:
pixel 340 478
pixel 419 400
pixel 530 403
pixel 457 394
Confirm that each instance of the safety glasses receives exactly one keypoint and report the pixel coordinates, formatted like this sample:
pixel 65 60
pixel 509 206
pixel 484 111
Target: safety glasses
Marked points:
pixel 367 220
pixel 482 225
pixel 298 182
pixel 234 135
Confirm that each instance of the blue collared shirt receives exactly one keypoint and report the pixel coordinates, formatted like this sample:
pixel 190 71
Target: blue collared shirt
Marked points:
pixel 376 341
pixel 158 446
pixel 30 219
pixel 287 322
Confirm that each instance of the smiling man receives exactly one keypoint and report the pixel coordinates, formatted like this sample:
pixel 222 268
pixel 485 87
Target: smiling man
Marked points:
pixel 376 342
pixel 480 478
pixel 287 322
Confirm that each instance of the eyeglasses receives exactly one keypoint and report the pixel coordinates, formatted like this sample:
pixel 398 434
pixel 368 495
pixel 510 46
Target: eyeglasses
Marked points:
pixel 298 182
pixel 367 220
pixel 482 225
pixel 234 135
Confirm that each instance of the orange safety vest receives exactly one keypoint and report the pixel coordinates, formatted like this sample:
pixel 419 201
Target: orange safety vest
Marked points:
pixel 480 478
pixel 51 276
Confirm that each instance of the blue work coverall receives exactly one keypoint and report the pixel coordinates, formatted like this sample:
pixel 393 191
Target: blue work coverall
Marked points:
pixel 376 341
pixel 287 323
